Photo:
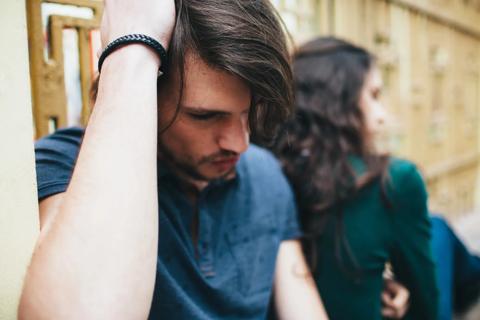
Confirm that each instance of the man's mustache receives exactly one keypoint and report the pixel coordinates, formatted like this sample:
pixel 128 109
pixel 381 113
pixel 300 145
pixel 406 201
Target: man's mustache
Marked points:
pixel 222 155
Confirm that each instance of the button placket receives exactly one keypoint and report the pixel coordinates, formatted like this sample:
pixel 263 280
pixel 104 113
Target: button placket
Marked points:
pixel 204 246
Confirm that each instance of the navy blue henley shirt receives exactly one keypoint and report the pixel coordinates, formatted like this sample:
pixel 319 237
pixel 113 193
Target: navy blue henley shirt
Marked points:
pixel 241 225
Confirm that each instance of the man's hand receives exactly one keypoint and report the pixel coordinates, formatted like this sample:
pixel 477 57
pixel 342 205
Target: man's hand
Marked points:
pixel 154 18
pixel 395 300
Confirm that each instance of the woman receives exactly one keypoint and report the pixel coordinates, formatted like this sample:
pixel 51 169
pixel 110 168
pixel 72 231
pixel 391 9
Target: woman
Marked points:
pixel 359 209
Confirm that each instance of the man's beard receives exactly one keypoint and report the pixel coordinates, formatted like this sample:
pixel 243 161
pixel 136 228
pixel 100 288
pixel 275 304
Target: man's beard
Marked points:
pixel 190 171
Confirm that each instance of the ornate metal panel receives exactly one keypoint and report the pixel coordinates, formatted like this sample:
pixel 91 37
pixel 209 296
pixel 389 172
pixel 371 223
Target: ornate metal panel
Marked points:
pixel 47 61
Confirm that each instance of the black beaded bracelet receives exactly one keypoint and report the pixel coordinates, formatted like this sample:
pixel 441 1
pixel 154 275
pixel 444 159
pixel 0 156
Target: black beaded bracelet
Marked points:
pixel 135 38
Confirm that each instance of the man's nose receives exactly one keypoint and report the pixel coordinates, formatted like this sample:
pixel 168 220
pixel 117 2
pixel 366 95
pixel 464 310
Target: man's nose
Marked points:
pixel 235 136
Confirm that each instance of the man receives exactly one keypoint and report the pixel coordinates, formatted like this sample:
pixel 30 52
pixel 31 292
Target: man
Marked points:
pixel 166 212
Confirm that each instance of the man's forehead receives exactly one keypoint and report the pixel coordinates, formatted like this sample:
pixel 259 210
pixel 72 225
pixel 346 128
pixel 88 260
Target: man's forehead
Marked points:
pixel 212 89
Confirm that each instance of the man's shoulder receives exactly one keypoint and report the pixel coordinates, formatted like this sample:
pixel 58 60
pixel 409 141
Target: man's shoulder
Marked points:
pixel 65 140
pixel 270 191
pixel 262 168
pixel 259 161
pixel 55 157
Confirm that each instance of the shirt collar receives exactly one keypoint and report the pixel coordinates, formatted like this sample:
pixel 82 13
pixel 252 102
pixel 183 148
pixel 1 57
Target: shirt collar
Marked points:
pixel 165 172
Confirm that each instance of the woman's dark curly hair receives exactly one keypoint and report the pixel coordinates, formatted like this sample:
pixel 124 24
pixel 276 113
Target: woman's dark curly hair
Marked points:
pixel 316 146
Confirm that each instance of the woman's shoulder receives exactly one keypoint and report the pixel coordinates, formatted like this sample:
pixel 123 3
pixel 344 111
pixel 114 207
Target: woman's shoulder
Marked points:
pixel 398 168
pixel 405 181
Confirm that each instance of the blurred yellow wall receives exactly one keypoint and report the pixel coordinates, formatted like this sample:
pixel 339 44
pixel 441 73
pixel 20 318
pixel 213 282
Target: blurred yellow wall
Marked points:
pixel 429 52
pixel 18 198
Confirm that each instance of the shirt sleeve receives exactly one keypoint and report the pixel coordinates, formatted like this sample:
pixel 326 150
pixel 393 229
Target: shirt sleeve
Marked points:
pixel 412 259
pixel 270 184
pixel 291 225
pixel 55 157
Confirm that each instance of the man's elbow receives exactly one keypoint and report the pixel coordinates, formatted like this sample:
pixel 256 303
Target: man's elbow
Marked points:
pixel 27 308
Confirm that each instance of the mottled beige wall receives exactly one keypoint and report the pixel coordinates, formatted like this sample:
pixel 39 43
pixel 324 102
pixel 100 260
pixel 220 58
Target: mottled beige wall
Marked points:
pixel 18 200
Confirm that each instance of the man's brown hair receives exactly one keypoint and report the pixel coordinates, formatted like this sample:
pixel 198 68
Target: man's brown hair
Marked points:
pixel 244 38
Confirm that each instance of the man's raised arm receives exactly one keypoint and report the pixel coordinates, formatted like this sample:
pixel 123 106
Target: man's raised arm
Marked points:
pixel 96 255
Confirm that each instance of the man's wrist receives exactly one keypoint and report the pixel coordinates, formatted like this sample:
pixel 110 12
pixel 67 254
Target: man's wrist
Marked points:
pixel 139 56
pixel 130 39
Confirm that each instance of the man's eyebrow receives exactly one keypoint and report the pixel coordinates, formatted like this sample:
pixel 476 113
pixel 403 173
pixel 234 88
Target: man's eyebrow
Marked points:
pixel 212 110
pixel 201 110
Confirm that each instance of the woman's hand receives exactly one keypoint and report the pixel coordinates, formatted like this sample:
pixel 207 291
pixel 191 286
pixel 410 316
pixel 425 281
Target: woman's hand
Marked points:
pixel 154 18
pixel 395 300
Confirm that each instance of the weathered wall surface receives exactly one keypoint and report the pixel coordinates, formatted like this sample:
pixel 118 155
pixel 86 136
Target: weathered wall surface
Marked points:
pixel 18 200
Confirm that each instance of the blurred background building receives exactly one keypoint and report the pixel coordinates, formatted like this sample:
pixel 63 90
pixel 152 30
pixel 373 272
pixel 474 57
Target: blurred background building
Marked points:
pixel 428 50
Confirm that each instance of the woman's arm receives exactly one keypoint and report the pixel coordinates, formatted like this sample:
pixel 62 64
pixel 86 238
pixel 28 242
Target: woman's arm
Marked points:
pixel 412 259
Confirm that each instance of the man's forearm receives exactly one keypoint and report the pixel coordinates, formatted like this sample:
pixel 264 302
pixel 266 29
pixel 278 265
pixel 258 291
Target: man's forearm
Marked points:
pixel 97 258
pixel 295 293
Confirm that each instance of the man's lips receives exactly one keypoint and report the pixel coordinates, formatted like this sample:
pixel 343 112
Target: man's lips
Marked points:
pixel 226 162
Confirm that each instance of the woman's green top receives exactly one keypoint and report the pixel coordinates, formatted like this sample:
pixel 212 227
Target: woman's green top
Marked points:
pixel 377 233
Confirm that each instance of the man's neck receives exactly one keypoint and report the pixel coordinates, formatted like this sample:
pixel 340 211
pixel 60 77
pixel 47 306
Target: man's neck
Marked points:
pixel 191 185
